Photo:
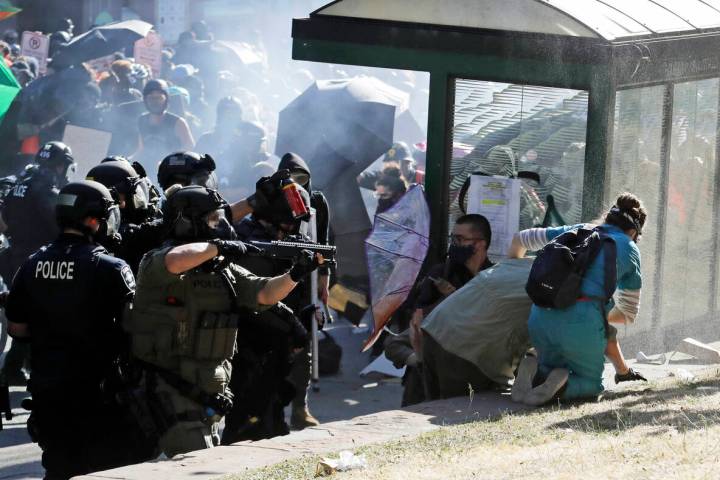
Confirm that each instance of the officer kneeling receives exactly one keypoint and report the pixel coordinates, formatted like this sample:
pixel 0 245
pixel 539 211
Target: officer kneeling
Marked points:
pixel 67 300
pixel 184 320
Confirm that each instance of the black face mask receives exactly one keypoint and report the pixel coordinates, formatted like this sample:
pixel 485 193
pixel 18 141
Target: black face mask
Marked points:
pixel 384 204
pixel 459 254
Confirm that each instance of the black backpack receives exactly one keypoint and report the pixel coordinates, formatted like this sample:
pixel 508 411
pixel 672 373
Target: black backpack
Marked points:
pixel 558 270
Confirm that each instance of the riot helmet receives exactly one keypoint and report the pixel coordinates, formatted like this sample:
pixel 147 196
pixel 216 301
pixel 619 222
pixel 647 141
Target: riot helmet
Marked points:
pixel 121 178
pixel 56 159
pixel 197 213
pixel 86 198
pixel 187 168
pixel 156 96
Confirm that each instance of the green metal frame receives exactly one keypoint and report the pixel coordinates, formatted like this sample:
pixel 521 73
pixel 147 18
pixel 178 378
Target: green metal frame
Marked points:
pixel 444 68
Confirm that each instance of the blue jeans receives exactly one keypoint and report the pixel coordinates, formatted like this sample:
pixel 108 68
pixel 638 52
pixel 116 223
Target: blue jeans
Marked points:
pixel 572 338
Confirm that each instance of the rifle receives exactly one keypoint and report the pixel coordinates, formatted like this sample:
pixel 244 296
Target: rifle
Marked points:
pixel 288 250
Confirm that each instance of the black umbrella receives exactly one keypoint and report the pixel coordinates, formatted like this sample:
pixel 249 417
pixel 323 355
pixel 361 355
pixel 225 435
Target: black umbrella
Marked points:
pixel 340 126
pixel 101 41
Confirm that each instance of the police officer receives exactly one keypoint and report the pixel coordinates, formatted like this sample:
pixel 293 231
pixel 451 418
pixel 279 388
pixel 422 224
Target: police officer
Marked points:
pixel 191 295
pixel 187 168
pixel 66 301
pixel 160 132
pixel 141 229
pixel 29 213
pixel 264 359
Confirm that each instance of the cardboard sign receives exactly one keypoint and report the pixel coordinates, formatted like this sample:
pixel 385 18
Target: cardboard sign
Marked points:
pixel 148 51
pixel 89 147
pixel 36 45
pixel 101 64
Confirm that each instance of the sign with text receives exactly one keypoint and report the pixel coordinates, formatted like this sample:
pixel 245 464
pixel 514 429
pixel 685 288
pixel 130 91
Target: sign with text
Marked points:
pixel 36 45
pixel 148 51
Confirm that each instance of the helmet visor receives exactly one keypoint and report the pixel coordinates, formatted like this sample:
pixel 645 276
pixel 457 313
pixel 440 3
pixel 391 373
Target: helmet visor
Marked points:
pixel 141 195
pixel 205 179
pixel 113 220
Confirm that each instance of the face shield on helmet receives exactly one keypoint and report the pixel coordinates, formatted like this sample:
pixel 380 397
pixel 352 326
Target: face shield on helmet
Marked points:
pixel 205 179
pixel 113 221
pixel 140 198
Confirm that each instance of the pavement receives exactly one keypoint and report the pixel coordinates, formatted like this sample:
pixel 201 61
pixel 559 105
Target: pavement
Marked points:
pixel 354 411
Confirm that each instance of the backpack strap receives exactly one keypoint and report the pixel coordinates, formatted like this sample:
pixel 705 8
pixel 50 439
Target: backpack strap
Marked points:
pixel 609 274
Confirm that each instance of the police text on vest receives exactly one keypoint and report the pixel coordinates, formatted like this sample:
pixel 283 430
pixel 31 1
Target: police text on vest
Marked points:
pixel 54 270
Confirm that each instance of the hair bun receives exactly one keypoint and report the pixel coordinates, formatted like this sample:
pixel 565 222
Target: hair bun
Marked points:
pixel 628 202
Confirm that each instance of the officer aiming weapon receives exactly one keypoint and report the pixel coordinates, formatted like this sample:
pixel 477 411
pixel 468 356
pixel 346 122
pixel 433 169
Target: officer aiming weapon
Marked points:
pixel 289 249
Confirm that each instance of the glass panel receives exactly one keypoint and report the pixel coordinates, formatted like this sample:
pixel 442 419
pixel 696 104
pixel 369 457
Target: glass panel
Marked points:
pixel 693 11
pixel 635 167
pixel 607 21
pixel 653 16
pixel 688 263
pixel 501 128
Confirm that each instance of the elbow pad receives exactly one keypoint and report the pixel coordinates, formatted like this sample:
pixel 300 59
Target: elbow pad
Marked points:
pixel 628 302
pixel 533 238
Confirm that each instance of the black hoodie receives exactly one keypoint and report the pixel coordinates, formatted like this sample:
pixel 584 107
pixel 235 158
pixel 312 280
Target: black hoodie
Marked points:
pixel 294 163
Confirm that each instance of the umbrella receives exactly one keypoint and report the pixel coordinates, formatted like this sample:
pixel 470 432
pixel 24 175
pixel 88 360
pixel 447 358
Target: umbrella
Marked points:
pixel 101 41
pixel 7 10
pixel 395 251
pixel 9 88
pixel 236 51
pixel 340 126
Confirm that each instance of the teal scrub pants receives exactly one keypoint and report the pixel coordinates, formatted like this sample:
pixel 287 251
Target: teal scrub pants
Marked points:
pixel 572 338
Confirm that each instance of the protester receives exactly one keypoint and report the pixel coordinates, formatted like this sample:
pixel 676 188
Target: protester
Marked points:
pixel 160 132
pixel 389 188
pixel 443 373
pixel 571 342
pixel 400 156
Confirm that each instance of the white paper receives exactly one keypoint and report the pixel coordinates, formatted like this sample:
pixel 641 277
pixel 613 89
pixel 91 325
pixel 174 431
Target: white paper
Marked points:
pixel 498 199
pixel 88 146
pixel 36 45
pixel 382 365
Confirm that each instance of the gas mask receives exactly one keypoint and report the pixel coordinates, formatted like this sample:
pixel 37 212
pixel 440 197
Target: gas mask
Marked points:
pixel 219 226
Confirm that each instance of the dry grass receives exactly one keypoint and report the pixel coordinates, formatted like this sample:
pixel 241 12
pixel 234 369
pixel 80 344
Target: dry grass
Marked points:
pixel 666 430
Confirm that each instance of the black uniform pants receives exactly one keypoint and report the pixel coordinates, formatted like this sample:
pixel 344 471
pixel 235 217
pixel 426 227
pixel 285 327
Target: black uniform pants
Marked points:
pixel 80 433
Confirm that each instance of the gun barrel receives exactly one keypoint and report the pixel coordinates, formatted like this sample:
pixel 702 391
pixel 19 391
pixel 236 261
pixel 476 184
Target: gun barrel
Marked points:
pixel 289 250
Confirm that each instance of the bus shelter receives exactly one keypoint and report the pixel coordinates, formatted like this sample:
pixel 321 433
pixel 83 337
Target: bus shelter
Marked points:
pixel 596 96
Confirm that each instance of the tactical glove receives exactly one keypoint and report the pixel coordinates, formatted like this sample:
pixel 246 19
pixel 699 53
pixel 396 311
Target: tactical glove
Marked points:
pixel 234 249
pixel 630 376
pixel 267 189
pixel 305 263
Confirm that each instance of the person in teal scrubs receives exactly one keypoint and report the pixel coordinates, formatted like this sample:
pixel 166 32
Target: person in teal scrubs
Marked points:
pixel 571 342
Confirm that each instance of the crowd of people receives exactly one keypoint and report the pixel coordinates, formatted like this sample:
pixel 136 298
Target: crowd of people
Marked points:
pixel 155 305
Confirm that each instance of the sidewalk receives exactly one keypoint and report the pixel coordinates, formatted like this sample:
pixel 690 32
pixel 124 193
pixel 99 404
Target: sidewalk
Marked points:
pixel 362 430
